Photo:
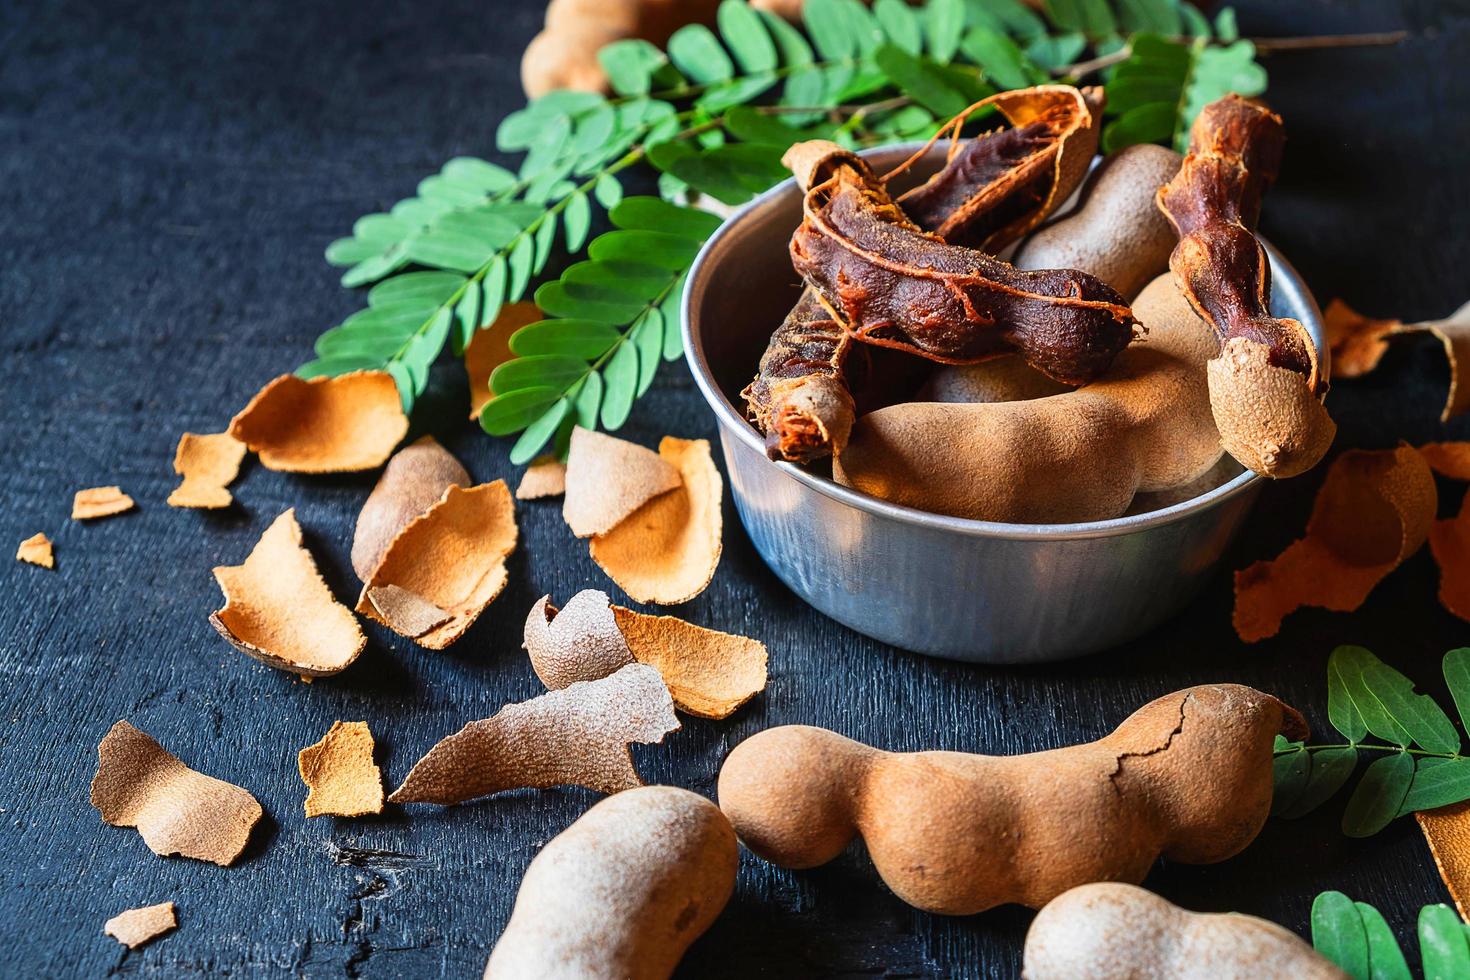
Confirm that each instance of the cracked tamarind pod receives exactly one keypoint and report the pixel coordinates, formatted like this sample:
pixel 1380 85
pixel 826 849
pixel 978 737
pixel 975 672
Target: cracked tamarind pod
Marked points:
pixel 1266 385
pixel 1187 777
pixel 993 189
pixel 893 285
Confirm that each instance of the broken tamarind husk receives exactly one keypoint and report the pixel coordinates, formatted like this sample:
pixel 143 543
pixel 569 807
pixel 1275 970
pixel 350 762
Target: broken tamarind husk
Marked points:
pixel 622 892
pixel 323 425
pixel 1187 777
pixel 992 189
pixel 1374 510
pixel 576 736
pixel 412 482
pixel 135 927
pixel 177 810
pixel 1266 384
pixel 279 610
pixel 1110 931
pixel 709 673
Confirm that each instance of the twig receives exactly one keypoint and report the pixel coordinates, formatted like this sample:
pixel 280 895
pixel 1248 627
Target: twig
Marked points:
pixel 897 102
pixel 1264 45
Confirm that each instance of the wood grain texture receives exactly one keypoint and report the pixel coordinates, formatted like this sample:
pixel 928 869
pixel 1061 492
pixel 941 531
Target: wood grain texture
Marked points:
pixel 171 174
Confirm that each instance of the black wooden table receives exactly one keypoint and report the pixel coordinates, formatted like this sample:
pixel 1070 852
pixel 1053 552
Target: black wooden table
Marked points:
pixel 169 174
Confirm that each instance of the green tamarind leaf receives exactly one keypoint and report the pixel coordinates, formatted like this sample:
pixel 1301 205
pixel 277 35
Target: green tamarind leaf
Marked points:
pixel 1338 933
pixel 1444 947
pixel 1385 959
pixel 1379 796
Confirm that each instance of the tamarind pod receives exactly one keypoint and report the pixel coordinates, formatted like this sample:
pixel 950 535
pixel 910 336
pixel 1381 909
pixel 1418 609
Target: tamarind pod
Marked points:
pixel 1076 456
pixel 1187 777
pixel 1112 931
pixel 893 285
pixel 1116 233
pixel 994 189
pixel 622 892
pixel 1269 421
pixel 800 397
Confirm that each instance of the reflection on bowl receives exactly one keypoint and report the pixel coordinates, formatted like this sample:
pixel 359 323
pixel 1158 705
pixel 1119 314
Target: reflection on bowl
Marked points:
pixel 963 589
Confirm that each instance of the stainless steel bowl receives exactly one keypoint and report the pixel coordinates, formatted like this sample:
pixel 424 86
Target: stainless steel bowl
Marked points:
pixel 962 589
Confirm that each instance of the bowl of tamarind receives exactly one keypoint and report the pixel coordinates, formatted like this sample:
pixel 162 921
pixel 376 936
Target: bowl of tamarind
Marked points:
pixel 982 400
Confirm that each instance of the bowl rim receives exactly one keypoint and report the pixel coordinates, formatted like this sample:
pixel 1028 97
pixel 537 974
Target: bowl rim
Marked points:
pixel 1284 277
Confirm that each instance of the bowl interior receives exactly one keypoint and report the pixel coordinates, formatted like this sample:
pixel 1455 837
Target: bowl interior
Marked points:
pixel 742 285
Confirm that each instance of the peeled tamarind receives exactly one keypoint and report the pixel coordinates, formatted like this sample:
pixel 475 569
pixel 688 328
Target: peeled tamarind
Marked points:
pixel 1187 776
pixel 1110 931
pixel 622 892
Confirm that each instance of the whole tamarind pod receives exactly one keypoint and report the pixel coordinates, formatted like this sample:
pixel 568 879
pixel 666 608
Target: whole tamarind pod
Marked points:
pixel 622 892
pixel 1111 931
pixel 893 285
pixel 993 189
pixel 1188 777
pixel 1076 456
pixel 1116 234
pixel 1266 384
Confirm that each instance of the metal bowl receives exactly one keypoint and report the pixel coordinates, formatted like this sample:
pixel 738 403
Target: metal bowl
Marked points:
pixel 962 589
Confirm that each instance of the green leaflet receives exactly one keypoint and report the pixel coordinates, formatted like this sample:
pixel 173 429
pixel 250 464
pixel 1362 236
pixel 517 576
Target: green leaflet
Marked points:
pixel 900 24
pixel 944 23
pixel 1004 62
pixel 747 37
pixel 1156 93
pixel 1352 662
pixel 920 80
pixel 1329 771
pixel 1437 785
pixel 1457 677
pixel 1289 773
pixel 1338 933
pixel 1385 959
pixel 1444 944
pixel 1378 796
pixel 696 52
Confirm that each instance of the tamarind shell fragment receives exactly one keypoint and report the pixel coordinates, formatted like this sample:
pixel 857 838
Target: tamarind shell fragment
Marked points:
pixel 1267 384
pixel 994 189
pixel 892 284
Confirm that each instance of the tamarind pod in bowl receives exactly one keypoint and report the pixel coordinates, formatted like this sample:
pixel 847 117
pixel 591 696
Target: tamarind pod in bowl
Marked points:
pixel 1187 777
pixel 979 591
pixel 1267 383
pixel 622 892
pixel 996 186
pixel 1113 931
pixel 1115 233
pixel 893 285
pixel 1075 456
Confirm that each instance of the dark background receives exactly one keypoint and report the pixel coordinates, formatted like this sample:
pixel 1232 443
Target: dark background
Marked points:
pixel 169 175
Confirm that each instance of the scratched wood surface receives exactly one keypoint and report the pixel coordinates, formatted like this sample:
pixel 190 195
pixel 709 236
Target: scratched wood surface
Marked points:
pixel 170 173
